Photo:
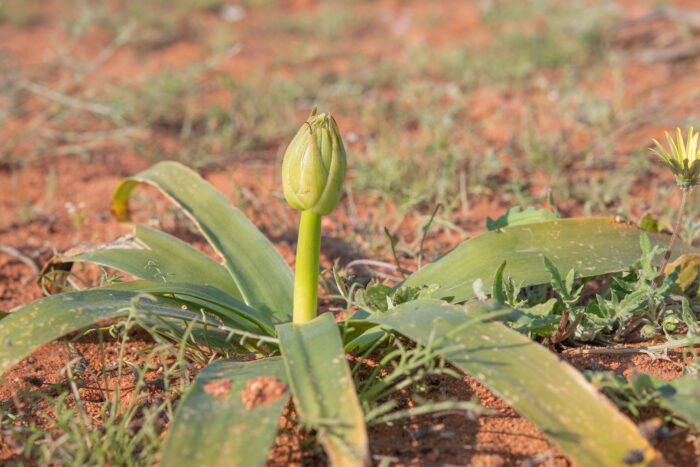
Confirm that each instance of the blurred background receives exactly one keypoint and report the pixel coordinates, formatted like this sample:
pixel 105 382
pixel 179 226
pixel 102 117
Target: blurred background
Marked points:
pixel 462 108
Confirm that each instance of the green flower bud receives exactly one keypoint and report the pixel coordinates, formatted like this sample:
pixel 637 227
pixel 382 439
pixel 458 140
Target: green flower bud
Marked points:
pixel 648 331
pixel 671 323
pixel 313 169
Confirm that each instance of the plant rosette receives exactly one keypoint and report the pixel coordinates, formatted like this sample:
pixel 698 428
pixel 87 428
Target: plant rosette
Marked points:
pixel 246 304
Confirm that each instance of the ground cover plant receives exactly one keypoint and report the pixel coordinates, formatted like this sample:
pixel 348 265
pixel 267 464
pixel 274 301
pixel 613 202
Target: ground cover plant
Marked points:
pixel 449 115
pixel 248 309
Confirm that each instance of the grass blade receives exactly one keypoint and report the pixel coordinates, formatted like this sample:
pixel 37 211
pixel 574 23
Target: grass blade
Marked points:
pixel 244 249
pixel 591 246
pixel 323 389
pixel 214 426
pixel 548 392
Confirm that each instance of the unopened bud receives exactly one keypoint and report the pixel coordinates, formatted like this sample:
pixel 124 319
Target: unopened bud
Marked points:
pixel 314 164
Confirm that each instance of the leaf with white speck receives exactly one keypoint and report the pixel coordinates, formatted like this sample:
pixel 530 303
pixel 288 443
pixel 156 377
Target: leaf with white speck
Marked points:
pixel 608 246
pixel 323 388
pixel 547 391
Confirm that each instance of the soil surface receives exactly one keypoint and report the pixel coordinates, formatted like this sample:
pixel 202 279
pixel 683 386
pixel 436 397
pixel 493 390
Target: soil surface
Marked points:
pixel 55 200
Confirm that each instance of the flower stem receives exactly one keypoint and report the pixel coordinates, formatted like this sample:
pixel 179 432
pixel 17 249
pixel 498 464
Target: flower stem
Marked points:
pixel 674 236
pixel 306 274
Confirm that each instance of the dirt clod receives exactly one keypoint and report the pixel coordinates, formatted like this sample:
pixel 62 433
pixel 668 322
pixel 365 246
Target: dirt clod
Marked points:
pixel 262 390
pixel 218 388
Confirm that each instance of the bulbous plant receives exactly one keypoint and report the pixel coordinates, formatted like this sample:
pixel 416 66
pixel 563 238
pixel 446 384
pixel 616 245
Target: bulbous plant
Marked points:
pixel 246 307
pixel 313 171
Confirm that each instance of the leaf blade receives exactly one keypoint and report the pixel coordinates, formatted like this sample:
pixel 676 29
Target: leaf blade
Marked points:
pixel 244 249
pixel 323 389
pixel 681 396
pixel 157 256
pixel 534 382
pixel 606 246
pixel 47 319
pixel 232 312
pixel 217 428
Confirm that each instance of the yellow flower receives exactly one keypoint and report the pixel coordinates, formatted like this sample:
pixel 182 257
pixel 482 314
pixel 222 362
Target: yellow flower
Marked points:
pixel 682 158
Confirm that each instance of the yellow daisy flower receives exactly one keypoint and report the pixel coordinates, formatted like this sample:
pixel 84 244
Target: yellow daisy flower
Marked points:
pixel 683 158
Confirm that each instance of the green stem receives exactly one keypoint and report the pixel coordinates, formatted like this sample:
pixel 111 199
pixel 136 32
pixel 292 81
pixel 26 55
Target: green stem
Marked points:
pixel 674 236
pixel 306 274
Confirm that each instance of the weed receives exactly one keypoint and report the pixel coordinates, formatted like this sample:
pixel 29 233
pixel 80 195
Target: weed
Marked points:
pixel 637 396
pixel 630 303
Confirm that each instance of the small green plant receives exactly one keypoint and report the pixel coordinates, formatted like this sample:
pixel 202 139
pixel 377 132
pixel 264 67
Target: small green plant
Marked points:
pixel 647 393
pixel 630 302
pixel 250 311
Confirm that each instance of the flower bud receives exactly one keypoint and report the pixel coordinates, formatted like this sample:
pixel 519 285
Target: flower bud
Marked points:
pixel 671 323
pixel 648 331
pixel 313 169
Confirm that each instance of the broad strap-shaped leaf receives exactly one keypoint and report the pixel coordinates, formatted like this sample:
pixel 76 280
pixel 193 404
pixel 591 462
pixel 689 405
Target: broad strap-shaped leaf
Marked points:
pixel 259 271
pixel 591 246
pixel 230 415
pixel 514 216
pixel 33 325
pixel 157 256
pixel 547 391
pixel 323 389
pixel 232 312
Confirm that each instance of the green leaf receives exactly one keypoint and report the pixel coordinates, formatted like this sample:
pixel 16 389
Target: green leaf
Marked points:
pixel 156 256
pixel 232 312
pixel 591 246
pixel 681 396
pixel 497 289
pixel 323 389
pixel 261 274
pixel 557 283
pixel 514 216
pixel 213 425
pixel 539 320
pixel 374 297
pixel 40 322
pixel 649 223
pixel 545 390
